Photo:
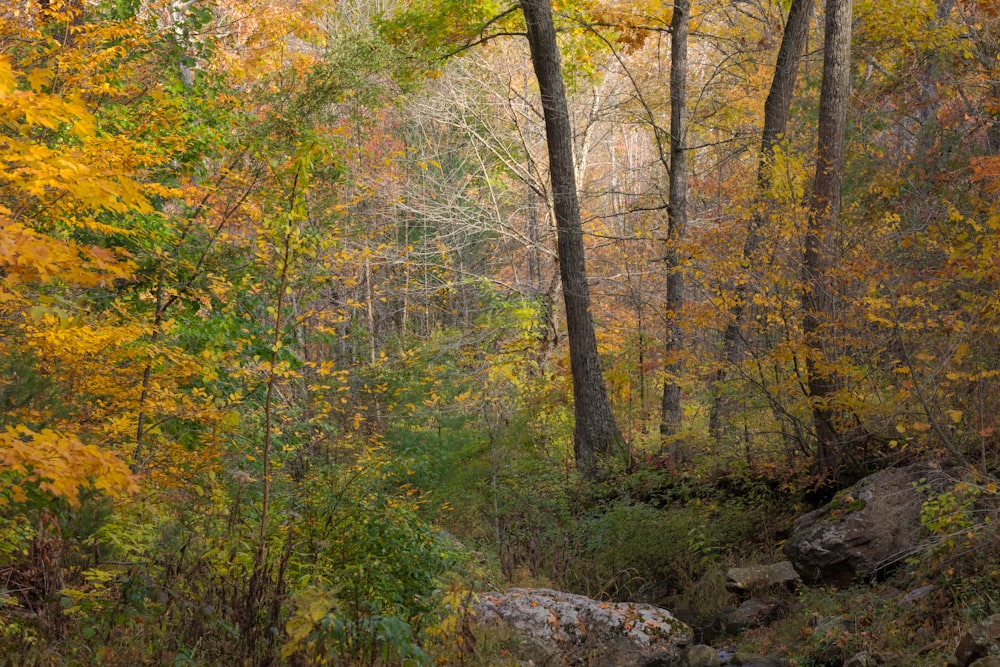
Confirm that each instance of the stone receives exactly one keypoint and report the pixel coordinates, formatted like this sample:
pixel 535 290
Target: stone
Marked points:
pixel 988 661
pixel 582 631
pixel 753 613
pixel 916 595
pixel 701 655
pixel 866 529
pixel 982 641
pixel 746 580
pixel 535 652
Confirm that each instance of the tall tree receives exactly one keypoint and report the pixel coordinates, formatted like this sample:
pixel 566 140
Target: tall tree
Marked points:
pixel 676 218
pixel 819 300
pixel 596 431
pixel 776 108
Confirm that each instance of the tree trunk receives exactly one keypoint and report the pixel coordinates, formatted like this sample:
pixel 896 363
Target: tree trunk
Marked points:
pixel 776 108
pixel 596 432
pixel 670 418
pixel 819 300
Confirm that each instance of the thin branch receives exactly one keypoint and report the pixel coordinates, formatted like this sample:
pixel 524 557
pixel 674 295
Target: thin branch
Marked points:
pixel 658 132
pixel 485 38
pixel 481 40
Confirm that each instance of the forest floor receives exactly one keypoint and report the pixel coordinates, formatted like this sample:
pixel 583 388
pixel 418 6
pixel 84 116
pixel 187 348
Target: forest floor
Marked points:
pixel 670 541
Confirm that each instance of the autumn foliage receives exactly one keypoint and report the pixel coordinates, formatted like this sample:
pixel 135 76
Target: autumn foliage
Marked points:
pixel 280 298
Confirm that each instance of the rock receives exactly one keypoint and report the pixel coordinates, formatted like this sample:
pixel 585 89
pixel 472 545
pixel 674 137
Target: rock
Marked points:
pixel 988 661
pixel 865 529
pixel 700 655
pixel 745 580
pixel 587 632
pixel 533 651
pixel 982 641
pixel 916 595
pixel 753 613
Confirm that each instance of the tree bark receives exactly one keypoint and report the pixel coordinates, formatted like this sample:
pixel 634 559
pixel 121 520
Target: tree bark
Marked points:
pixel 776 109
pixel 819 300
pixel 596 432
pixel 670 417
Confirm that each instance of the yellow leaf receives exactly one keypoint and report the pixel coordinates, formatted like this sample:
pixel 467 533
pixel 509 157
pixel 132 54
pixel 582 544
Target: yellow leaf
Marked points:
pixel 956 415
pixel 7 80
pixel 38 78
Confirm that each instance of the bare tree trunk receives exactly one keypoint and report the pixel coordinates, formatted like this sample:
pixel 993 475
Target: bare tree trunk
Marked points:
pixel 670 417
pixel 596 433
pixel 819 301
pixel 776 109
pixel 534 243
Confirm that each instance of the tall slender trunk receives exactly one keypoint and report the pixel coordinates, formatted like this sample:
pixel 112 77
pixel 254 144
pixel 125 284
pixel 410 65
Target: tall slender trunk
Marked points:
pixel 595 433
pixel 139 454
pixel 819 301
pixel 269 417
pixel 534 244
pixel 670 417
pixel 371 300
pixel 776 109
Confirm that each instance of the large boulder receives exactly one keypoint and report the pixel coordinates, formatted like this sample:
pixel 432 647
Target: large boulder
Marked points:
pixel 576 630
pixel 866 529
pixel 753 613
pixel 979 643
pixel 755 578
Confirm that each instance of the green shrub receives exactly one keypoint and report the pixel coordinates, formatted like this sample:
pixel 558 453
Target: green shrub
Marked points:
pixel 638 552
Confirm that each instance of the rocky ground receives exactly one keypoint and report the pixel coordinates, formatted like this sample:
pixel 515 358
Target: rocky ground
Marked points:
pixel 857 589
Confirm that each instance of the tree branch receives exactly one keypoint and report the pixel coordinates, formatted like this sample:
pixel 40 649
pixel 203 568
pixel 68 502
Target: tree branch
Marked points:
pixel 482 39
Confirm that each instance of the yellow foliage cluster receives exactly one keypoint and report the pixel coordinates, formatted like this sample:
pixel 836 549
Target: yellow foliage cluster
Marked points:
pixel 59 464
pixel 68 188
pixel 40 180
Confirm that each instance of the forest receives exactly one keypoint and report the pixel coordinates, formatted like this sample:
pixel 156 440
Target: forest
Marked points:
pixel 322 320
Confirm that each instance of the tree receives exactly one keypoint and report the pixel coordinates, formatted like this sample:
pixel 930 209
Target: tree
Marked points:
pixel 776 109
pixel 819 300
pixel 676 215
pixel 596 431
